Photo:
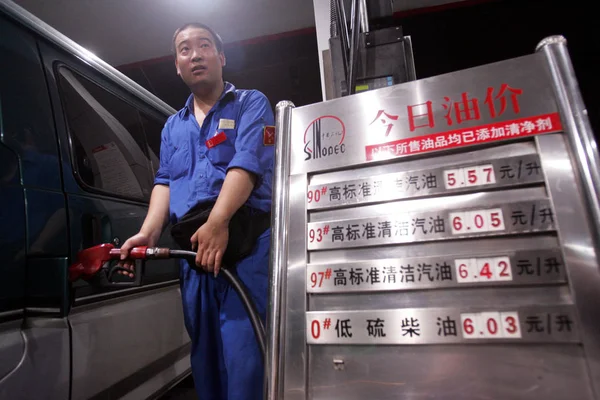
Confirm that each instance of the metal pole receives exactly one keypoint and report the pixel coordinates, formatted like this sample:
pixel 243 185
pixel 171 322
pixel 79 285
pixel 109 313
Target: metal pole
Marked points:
pixel 364 18
pixel 343 22
pixel 411 73
pixel 279 249
pixel 576 123
pixel 583 144
pixel 344 36
pixel 351 82
pixel 334 30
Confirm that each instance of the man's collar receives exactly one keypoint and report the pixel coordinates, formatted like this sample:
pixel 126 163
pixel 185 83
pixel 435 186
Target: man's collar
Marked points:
pixel 228 93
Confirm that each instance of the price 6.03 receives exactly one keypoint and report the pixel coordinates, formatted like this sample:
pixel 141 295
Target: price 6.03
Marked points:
pixel 491 325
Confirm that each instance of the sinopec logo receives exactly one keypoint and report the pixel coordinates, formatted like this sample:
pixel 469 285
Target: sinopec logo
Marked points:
pixel 324 137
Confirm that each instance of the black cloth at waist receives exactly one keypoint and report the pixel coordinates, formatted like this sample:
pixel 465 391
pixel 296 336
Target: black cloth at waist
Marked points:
pixel 246 225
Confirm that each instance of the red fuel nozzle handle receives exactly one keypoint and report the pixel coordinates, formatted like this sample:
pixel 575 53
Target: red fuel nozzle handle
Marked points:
pixel 143 253
pixel 91 261
pixel 136 253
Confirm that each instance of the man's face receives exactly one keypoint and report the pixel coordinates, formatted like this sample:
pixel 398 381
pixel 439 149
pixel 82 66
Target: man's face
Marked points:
pixel 198 61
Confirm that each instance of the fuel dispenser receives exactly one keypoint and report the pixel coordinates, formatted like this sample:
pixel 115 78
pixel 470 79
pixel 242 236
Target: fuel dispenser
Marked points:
pixel 368 49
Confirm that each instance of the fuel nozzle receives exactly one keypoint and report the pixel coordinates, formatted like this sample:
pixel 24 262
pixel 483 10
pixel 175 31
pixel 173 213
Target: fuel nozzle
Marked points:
pixel 93 265
pixel 91 260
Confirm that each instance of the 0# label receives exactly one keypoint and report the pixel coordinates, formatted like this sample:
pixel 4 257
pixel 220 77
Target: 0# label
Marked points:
pixel 443 325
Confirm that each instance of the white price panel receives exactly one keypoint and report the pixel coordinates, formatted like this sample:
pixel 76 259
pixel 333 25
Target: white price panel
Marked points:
pixel 510 325
pixel 454 178
pixel 477 175
pixel 470 326
pixel 484 270
pixel 477 221
pixel 502 269
pixel 496 220
pixel 487 269
pixel 491 325
pixel 465 271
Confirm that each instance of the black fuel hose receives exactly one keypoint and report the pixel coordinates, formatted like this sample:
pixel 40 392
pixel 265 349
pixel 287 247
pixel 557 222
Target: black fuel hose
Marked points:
pixel 242 291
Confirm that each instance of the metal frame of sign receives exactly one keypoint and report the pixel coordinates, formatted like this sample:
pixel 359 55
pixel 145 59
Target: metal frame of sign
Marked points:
pixel 480 152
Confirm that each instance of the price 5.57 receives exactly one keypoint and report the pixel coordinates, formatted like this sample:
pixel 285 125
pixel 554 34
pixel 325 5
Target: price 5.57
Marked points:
pixel 469 176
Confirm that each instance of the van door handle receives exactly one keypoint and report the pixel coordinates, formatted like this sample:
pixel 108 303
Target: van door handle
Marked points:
pixel 95 229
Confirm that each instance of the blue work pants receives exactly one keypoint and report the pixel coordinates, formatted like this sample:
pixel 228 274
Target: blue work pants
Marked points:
pixel 226 359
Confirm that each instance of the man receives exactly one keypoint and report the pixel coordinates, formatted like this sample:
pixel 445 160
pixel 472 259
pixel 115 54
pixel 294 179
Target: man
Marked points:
pixel 216 148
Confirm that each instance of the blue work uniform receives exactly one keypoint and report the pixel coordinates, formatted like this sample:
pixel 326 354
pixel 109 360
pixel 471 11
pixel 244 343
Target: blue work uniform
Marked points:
pixel 226 360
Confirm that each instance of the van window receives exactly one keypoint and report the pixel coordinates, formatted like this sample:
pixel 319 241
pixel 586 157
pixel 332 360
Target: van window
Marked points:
pixel 109 138
pixel 153 130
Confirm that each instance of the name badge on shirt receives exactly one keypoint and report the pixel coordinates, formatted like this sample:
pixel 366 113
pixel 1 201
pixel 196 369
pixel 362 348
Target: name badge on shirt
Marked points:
pixel 269 135
pixel 215 140
pixel 226 123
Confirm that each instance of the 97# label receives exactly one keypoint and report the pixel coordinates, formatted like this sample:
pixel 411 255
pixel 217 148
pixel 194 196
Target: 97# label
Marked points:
pixel 507 268
pixel 318 279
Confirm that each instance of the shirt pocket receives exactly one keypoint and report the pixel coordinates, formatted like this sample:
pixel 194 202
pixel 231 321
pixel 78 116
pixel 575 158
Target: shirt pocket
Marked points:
pixel 222 154
pixel 180 164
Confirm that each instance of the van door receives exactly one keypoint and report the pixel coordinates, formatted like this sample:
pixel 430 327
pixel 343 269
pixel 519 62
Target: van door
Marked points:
pixel 34 336
pixel 123 339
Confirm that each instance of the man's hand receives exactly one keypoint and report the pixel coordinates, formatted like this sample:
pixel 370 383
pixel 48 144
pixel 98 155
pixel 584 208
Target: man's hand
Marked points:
pixel 140 239
pixel 210 242
pixel 157 217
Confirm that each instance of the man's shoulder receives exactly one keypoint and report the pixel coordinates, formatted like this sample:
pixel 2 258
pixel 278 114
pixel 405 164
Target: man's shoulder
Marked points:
pixel 245 95
pixel 180 114
pixel 174 118
pixel 172 123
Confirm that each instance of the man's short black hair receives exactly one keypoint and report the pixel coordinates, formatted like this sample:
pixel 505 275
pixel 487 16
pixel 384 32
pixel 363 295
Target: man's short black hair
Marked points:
pixel 215 35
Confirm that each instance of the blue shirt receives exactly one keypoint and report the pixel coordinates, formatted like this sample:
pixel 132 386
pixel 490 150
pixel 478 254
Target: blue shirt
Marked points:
pixel 195 172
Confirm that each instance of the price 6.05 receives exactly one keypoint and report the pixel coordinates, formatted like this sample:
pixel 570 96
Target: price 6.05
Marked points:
pixel 477 221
